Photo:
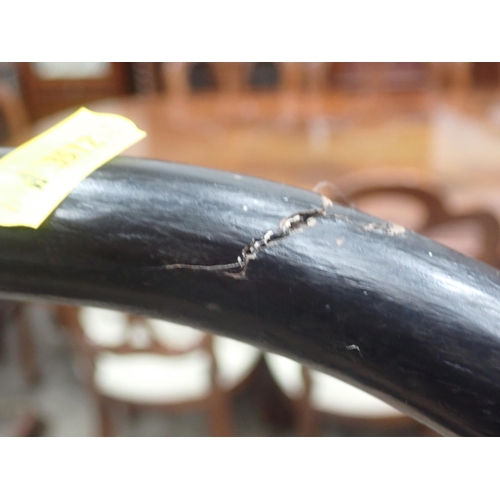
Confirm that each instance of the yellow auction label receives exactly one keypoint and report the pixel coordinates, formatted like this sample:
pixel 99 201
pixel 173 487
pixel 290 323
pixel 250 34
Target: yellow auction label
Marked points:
pixel 37 176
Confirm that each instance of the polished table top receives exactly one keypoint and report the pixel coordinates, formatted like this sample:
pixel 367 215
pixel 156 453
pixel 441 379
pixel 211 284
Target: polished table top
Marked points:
pixel 302 140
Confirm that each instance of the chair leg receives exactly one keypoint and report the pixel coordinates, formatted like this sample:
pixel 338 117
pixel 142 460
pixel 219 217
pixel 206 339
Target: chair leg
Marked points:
pixel 132 412
pixel 26 347
pixel 27 425
pixel 106 427
pixel 306 419
pixel 219 409
pixel 2 341
pixel 306 416
pixel 426 432
pixel 277 409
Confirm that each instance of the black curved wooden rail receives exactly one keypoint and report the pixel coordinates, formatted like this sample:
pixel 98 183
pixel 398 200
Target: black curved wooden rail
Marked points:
pixel 383 308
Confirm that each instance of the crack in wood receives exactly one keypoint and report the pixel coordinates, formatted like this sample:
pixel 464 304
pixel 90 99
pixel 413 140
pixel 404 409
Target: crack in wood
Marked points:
pixel 287 227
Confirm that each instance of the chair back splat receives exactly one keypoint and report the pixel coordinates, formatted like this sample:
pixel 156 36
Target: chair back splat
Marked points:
pixel 147 363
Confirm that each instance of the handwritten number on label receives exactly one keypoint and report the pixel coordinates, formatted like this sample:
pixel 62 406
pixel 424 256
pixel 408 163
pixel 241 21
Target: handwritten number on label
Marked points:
pixel 70 153
pixel 33 180
pixel 37 176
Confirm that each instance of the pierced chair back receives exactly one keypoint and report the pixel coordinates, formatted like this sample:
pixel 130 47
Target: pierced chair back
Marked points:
pixel 149 363
pixel 412 200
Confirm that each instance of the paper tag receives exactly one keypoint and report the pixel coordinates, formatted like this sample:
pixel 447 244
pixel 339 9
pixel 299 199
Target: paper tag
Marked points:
pixel 37 176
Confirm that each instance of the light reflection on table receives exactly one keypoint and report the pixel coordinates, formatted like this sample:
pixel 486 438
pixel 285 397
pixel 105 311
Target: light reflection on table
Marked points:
pixel 302 140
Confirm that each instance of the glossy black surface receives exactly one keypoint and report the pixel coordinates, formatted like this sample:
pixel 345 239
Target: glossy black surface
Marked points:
pixel 383 308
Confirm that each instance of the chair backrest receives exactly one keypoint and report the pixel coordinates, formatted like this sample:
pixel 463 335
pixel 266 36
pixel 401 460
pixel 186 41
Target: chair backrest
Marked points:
pixel 13 115
pixel 51 87
pixel 404 196
pixel 96 331
pixel 395 76
pixel 280 76
pixel 6 310
pixel 182 79
pixel 475 233
pixel 146 77
pixel 408 198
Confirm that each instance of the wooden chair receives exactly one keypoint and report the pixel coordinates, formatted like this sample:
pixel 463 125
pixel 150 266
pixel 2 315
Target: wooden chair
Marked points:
pixel 13 119
pixel 318 397
pixel 409 199
pixel 17 314
pixel 18 421
pixel 140 363
pixel 233 88
pixel 146 77
pixel 466 76
pixel 19 418
pixel 53 86
pixel 485 75
pixel 27 425
pixel 284 77
pixel 283 85
pixel 378 77
pixel 182 82
pixel 181 79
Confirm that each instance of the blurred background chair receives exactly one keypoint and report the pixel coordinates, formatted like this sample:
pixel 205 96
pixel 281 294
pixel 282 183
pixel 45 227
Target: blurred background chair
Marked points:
pixel 318 398
pixel 233 87
pixel 49 87
pixel 181 79
pixel 147 364
pixel 363 77
pixel 284 77
pixel 19 416
pixel 15 315
pixel 13 121
pixel 24 421
pixel 412 200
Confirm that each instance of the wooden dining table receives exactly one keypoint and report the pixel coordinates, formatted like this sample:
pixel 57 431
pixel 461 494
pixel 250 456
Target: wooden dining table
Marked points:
pixel 304 139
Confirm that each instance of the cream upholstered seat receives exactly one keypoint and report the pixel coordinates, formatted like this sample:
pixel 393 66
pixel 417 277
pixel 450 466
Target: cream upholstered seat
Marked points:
pixel 139 364
pixel 327 394
pixel 151 378
pixel 109 329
